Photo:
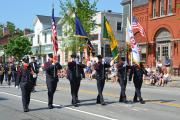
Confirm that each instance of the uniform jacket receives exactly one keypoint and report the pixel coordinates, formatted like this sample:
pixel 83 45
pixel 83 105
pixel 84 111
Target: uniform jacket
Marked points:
pixel 100 70
pixel 138 73
pixel 75 71
pixel 51 70
pixel 25 75
pixel 34 67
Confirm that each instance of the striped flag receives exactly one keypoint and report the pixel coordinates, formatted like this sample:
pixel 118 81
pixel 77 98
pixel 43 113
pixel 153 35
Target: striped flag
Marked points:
pixel 130 40
pixel 108 34
pixel 136 25
pixel 54 34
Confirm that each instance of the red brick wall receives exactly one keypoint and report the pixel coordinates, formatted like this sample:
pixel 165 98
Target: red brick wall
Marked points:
pixel 152 25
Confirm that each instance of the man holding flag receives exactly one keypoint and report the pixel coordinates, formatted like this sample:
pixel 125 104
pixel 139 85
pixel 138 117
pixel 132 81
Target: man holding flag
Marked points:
pixel 52 66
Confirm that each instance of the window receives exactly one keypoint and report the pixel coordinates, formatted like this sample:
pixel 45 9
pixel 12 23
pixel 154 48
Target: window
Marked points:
pixel 154 8
pixel 165 51
pixel 38 39
pixel 161 7
pixel 118 26
pixel 45 38
pixel 169 6
pixel 31 40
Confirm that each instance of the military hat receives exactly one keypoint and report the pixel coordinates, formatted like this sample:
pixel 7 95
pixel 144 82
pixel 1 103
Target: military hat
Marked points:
pixel 25 59
pixel 99 56
pixel 73 56
pixel 50 55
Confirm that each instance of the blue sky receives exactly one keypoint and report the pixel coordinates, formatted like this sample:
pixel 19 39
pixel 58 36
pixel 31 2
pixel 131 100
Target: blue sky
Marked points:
pixel 22 12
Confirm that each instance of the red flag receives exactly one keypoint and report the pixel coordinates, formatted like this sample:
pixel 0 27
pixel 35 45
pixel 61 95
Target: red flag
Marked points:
pixel 54 34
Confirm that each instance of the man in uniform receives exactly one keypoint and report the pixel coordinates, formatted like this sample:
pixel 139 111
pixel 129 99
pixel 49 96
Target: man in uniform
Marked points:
pixel 51 67
pixel 122 75
pixel 26 83
pixel 35 69
pixel 138 71
pixel 75 73
pixel 100 77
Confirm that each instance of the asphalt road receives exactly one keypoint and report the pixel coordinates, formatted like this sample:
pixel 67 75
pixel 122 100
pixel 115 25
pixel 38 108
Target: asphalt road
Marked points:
pixel 161 103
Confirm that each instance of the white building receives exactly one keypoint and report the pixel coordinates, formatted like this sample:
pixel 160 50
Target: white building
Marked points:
pixel 41 38
pixel 101 46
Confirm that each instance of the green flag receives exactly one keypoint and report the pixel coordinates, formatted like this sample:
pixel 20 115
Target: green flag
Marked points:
pixel 108 34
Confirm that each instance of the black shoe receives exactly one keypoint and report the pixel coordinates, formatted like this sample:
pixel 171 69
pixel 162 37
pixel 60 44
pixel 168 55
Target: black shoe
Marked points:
pixel 26 110
pixel 75 104
pixel 124 100
pixel 120 100
pixel 135 100
pixel 142 101
pixel 50 107
pixel 98 102
pixel 78 101
pixel 103 103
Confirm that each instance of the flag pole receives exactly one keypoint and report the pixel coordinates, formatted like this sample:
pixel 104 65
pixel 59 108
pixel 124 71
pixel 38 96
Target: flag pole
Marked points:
pixel 131 25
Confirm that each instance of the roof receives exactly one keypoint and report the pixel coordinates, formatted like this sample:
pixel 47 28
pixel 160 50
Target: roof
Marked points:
pixel 135 2
pixel 45 19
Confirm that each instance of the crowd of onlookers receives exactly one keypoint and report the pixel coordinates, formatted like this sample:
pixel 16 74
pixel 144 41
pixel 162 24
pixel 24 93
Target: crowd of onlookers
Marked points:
pixel 159 75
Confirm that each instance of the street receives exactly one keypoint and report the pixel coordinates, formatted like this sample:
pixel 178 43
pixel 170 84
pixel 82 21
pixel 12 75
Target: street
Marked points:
pixel 161 103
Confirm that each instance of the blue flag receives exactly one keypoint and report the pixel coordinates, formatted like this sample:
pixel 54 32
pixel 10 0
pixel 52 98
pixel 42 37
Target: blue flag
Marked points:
pixel 79 28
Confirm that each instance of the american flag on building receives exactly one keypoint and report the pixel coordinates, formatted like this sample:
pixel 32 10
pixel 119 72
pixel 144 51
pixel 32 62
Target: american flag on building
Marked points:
pixel 136 25
pixel 54 34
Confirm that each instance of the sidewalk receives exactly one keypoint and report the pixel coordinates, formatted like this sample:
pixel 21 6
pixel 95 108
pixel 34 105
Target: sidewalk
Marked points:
pixel 175 82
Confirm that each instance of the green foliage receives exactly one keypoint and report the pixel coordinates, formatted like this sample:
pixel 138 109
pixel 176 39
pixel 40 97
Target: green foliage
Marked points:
pixel 11 27
pixel 85 11
pixel 18 47
pixel 1 30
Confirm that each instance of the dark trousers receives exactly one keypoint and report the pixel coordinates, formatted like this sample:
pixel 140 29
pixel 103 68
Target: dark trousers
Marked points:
pixel 17 82
pixel 138 85
pixel 9 79
pixel 123 84
pixel 26 93
pixel 1 79
pixel 100 87
pixel 75 84
pixel 51 86
pixel 34 83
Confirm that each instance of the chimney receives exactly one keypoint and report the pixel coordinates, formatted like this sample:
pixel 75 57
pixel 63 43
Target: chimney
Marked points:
pixel 27 31
pixel 109 11
pixel 5 31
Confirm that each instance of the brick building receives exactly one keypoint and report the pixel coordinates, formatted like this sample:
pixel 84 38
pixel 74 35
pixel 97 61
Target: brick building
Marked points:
pixel 161 22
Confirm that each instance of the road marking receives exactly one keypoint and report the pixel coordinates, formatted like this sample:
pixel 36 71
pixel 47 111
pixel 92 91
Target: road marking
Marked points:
pixel 72 109
pixel 170 104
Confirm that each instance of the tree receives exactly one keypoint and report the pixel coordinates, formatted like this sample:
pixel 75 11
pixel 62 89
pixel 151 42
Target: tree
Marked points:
pixel 11 28
pixel 18 46
pixel 1 30
pixel 85 11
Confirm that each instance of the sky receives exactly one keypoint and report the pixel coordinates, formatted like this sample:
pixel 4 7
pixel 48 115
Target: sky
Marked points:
pixel 23 12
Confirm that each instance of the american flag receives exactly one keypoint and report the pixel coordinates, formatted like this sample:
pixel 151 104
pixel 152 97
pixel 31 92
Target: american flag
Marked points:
pixel 54 34
pixel 136 25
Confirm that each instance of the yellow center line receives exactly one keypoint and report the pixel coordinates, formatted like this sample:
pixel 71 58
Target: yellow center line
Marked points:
pixel 159 102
